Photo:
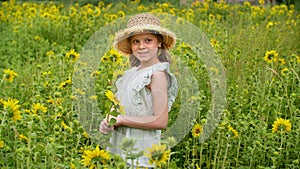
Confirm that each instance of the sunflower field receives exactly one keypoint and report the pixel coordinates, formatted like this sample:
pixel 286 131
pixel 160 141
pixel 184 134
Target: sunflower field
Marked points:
pixel 258 45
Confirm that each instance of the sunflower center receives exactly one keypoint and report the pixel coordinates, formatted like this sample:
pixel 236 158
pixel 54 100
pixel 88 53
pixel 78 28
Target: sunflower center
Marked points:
pixel 282 127
pixel 270 56
pixel 7 76
pixel 72 56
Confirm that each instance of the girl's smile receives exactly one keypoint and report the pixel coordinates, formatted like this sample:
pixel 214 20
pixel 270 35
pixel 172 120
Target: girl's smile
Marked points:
pixel 142 53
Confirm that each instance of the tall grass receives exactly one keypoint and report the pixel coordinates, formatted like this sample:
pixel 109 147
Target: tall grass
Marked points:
pixel 37 41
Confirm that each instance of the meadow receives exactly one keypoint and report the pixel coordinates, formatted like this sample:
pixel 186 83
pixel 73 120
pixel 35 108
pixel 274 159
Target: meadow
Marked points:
pixel 258 46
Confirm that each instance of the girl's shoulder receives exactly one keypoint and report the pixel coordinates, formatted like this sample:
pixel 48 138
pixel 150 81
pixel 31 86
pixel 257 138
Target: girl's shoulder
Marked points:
pixel 161 66
pixel 145 75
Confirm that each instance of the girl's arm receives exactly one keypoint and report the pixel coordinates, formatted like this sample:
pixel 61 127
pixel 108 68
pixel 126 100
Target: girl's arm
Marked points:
pixel 159 88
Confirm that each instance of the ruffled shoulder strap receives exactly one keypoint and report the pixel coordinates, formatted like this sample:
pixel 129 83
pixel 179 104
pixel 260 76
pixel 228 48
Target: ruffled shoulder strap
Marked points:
pixel 147 73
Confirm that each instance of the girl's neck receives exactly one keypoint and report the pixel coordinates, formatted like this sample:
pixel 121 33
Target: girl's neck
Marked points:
pixel 144 65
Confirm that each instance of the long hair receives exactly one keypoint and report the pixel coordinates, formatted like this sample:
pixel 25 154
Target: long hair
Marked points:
pixel 163 53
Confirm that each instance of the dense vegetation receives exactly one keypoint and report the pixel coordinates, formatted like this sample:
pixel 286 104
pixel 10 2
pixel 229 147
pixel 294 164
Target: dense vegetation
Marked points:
pixel 41 44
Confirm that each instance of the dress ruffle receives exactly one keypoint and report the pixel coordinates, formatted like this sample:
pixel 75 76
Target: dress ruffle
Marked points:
pixel 145 76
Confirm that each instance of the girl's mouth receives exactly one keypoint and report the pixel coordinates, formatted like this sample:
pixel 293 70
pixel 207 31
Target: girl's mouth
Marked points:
pixel 142 53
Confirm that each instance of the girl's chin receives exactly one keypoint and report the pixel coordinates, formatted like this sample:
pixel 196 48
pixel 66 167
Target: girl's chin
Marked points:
pixel 142 58
pixel 142 55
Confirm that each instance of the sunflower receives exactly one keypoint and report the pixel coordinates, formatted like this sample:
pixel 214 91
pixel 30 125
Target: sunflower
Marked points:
pixel 2 101
pixel 196 4
pixel 180 21
pixel 2 15
pixel 23 138
pixel 121 14
pixel 32 11
pixel 2 144
pixel 197 130
pixel 298 59
pixel 97 12
pixel 113 17
pixel 214 42
pixel 269 25
pixel 281 125
pixel 271 56
pixel 234 131
pixel 72 11
pixel 37 38
pixel 64 84
pixel 92 157
pixel 96 73
pixel 93 97
pixel 16 115
pixel 64 125
pixel 211 17
pixel 72 166
pixel 261 2
pixel 50 53
pixel 141 7
pixel 118 73
pixel 281 61
pixel 72 55
pixel 9 75
pixel 13 106
pixel 190 16
pixel 110 95
pixel 79 91
pixel 158 154
pixel 46 15
pixel 38 107
pixel 284 71
pixel 85 134
pixel 112 56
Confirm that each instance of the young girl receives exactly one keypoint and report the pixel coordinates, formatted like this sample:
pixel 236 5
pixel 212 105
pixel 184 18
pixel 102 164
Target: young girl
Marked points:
pixel 147 90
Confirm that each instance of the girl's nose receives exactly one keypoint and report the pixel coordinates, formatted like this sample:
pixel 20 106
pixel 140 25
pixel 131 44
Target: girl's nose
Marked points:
pixel 141 45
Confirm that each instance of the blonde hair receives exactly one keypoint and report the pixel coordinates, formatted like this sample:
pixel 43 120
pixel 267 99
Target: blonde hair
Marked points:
pixel 163 53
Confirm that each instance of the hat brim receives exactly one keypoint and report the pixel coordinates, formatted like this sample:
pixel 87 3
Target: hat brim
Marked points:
pixel 122 44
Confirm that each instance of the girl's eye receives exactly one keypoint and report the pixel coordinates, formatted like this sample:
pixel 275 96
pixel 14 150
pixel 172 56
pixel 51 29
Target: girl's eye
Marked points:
pixel 148 40
pixel 135 41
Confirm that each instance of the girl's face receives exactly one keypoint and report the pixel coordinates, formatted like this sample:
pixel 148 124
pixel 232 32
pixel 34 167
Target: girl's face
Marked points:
pixel 145 47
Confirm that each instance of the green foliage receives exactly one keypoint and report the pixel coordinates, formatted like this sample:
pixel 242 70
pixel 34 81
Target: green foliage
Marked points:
pixel 37 40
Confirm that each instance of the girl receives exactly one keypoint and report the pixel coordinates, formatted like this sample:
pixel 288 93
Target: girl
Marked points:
pixel 147 90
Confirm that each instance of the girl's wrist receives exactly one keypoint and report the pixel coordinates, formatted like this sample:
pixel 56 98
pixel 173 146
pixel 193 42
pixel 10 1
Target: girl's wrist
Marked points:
pixel 119 120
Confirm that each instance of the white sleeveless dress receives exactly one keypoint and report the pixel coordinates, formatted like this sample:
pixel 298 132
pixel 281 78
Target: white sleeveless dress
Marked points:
pixel 137 101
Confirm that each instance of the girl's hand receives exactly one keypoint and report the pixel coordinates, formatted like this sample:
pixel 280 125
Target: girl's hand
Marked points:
pixel 105 128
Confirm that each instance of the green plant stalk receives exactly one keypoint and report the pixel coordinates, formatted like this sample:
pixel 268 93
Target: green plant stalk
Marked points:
pixel 226 152
pixel 216 153
pixel 29 144
pixel 237 154
pixel 53 159
pixel 200 153
pixel 65 147
pixel 132 163
pixel 108 114
pixel 76 146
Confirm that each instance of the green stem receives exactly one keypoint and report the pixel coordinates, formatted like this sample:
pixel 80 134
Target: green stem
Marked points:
pixel 29 144
pixel 216 153
pixel 226 152
pixel 238 150
pixel 132 163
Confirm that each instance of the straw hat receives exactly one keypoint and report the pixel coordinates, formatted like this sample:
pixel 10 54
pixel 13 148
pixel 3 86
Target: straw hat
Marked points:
pixel 141 23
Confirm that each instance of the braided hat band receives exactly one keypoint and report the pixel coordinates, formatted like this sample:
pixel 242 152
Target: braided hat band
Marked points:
pixel 142 23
